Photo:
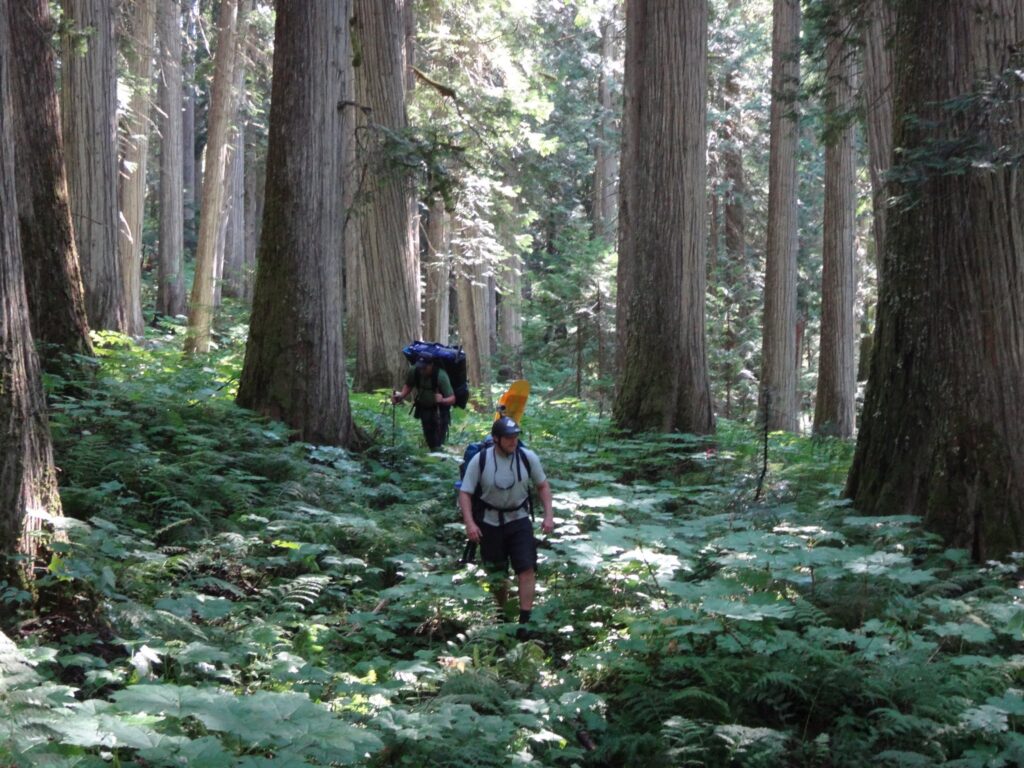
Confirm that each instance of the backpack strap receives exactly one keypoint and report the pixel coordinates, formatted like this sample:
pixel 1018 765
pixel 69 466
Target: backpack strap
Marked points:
pixel 478 492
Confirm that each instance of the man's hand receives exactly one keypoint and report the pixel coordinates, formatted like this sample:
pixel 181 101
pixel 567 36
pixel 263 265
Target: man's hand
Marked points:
pixel 473 532
pixel 396 398
pixel 548 523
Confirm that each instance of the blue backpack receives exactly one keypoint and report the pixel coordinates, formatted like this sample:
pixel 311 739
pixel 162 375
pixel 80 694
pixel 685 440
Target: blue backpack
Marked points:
pixel 451 359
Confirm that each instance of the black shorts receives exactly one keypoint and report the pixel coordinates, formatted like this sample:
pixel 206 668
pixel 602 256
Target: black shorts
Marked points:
pixel 512 542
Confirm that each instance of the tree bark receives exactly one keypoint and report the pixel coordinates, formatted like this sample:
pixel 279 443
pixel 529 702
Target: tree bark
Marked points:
pixel 222 98
pixel 943 425
pixel 170 297
pixel 28 486
pixel 834 408
pixel 254 181
pixel 732 165
pixel 779 357
pixel 232 245
pixel 88 114
pixel 510 320
pixel 473 321
pixel 294 366
pixel 877 90
pixel 234 236
pixel 132 179
pixel 52 274
pixel 438 272
pixel 387 273
pixel 604 202
pixel 663 383
pixel 190 10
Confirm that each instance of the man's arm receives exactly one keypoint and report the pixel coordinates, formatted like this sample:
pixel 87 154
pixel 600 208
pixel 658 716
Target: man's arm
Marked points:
pixel 444 395
pixel 544 491
pixel 397 397
pixel 466 506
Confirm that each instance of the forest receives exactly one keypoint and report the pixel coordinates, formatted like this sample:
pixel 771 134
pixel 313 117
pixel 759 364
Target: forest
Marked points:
pixel 759 263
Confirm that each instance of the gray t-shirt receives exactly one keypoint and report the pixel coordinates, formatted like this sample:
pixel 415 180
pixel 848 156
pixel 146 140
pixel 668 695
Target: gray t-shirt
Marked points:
pixel 505 483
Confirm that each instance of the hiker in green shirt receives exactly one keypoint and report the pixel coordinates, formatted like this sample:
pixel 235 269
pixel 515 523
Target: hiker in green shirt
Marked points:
pixel 434 399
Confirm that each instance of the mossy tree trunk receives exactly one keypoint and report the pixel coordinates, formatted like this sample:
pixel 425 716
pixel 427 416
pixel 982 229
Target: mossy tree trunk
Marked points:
pixel 663 381
pixel 28 487
pixel 943 426
pixel 294 366
pixel 50 256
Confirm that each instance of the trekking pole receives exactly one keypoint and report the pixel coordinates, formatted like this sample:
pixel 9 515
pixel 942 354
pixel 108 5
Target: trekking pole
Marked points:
pixel 394 405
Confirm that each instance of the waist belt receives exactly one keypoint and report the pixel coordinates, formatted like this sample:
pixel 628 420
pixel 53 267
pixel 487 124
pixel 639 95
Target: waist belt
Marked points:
pixel 484 506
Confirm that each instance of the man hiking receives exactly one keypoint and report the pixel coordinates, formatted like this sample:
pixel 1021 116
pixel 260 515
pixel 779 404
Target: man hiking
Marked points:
pixel 500 522
pixel 434 399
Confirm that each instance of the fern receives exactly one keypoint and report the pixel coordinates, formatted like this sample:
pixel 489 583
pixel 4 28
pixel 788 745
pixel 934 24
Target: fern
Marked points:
pixel 297 595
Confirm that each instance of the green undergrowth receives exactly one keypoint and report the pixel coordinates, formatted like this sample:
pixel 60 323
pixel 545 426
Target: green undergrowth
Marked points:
pixel 227 597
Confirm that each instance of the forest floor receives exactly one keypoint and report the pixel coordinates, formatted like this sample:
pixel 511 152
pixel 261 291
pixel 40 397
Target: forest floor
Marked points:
pixel 227 597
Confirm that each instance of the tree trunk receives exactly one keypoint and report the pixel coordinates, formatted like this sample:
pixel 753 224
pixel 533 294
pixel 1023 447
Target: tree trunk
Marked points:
pixel 943 425
pixel 255 177
pixel 234 236
pixel 604 203
pixel 222 98
pixel 28 485
pixel 779 373
pixel 510 320
pixel 732 164
pixel 170 296
pixel 52 274
pixel 877 90
pixel 387 276
pixel 663 384
pixel 190 10
pixel 232 283
pixel 834 408
pixel 474 323
pixel 132 179
pixel 294 366
pixel 88 114
pixel 438 271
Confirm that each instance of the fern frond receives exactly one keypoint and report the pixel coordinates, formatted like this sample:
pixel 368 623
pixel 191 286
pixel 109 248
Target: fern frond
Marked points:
pixel 299 594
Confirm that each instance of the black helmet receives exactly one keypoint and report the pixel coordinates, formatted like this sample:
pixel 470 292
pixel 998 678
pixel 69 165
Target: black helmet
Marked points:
pixel 505 427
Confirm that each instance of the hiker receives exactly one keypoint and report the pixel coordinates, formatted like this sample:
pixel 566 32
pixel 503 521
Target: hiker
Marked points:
pixel 434 398
pixel 502 525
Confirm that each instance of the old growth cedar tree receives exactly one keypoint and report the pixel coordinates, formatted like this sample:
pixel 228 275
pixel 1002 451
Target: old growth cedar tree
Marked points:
pixel 28 487
pixel 779 404
pixel 386 266
pixel 943 424
pixel 294 368
pixel 834 405
pixel 170 284
pixel 53 279
pixel 662 378
pixel 89 117
pixel 135 144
